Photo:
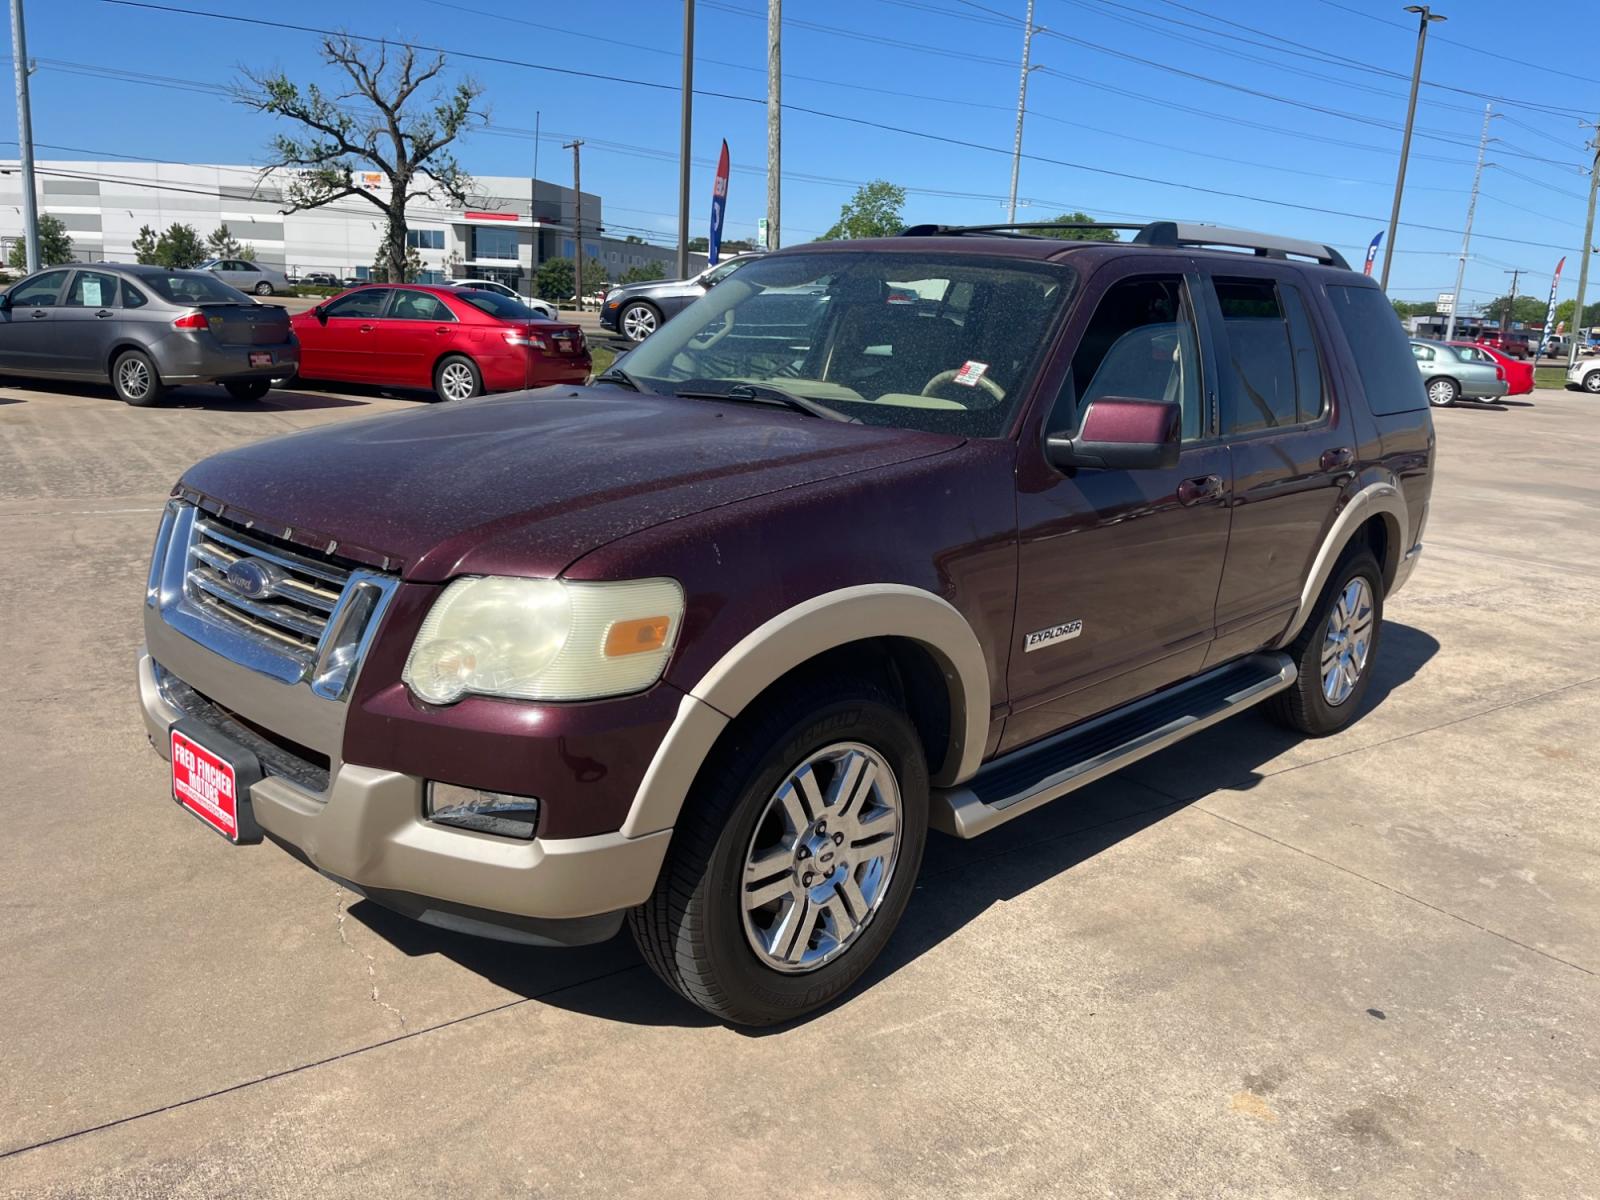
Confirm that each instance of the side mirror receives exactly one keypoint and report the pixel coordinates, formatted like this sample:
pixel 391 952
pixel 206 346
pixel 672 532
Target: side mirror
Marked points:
pixel 321 314
pixel 5 299
pixel 1120 433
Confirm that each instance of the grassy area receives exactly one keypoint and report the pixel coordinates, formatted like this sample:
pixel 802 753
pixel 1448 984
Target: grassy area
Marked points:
pixel 1550 377
pixel 602 355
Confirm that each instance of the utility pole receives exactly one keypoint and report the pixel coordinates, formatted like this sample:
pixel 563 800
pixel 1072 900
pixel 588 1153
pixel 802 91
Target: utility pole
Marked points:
pixel 774 117
pixel 1588 246
pixel 684 139
pixel 533 211
pixel 1466 237
pixel 1511 301
pixel 1022 106
pixel 1425 18
pixel 30 202
pixel 577 220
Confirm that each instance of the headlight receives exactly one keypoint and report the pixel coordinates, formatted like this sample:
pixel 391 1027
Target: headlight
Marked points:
pixel 613 293
pixel 544 639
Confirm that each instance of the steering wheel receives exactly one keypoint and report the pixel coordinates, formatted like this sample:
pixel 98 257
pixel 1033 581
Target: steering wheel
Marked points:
pixel 711 339
pixel 944 377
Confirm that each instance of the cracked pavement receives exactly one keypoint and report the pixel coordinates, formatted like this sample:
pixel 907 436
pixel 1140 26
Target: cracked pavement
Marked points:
pixel 1250 966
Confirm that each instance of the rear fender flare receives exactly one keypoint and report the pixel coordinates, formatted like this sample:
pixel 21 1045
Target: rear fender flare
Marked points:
pixel 1375 499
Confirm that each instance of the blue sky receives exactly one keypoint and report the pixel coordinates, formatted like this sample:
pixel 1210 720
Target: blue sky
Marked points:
pixel 1294 119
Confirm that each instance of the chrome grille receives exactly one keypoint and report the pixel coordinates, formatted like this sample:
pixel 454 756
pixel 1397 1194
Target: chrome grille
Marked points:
pixel 271 591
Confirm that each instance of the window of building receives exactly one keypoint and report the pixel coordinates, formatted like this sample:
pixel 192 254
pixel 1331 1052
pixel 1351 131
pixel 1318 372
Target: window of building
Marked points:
pixel 425 239
pixel 1259 373
pixel 494 243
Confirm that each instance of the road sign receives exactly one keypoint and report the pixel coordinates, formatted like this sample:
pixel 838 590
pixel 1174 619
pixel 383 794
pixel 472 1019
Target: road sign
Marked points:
pixel 1445 302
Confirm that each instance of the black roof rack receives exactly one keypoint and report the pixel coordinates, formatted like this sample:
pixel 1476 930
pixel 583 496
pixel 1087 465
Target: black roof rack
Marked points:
pixel 1160 233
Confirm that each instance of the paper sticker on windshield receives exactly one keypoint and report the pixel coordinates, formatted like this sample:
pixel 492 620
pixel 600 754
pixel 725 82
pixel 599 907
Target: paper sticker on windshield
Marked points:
pixel 970 373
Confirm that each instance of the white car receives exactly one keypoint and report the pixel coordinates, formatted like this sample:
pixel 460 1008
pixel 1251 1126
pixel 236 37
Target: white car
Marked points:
pixel 490 285
pixel 1585 372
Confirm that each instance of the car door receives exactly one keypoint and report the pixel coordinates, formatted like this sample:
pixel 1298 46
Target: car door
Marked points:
pixel 1292 445
pixel 1120 565
pixel 31 341
pixel 342 345
pixel 413 331
pixel 90 316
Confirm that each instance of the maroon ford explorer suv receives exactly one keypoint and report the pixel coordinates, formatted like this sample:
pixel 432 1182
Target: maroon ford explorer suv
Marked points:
pixel 876 537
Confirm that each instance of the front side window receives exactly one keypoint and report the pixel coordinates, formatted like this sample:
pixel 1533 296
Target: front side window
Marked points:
pixel 826 326
pixel 368 302
pixel 1258 377
pixel 721 271
pixel 1421 353
pixel 1141 344
pixel 39 292
pixel 92 289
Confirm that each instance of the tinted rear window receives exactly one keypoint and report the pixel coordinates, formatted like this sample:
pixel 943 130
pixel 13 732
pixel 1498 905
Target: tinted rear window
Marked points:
pixel 497 305
pixel 193 287
pixel 1388 371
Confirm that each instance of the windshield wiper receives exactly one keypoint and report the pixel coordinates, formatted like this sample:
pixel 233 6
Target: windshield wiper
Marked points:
pixel 762 393
pixel 617 374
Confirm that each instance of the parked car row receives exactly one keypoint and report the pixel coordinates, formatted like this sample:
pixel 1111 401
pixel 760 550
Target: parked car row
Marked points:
pixel 1454 371
pixel 146 329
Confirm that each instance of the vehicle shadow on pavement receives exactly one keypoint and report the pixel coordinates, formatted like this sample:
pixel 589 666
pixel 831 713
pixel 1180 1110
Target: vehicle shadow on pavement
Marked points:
pixel 196 397
pixel 959 882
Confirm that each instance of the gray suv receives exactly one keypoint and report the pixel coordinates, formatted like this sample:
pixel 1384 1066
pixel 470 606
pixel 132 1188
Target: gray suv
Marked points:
pixel 145 329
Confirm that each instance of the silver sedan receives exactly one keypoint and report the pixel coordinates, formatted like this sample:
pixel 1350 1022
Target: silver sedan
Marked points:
pixel 248 276
pixel 1449 376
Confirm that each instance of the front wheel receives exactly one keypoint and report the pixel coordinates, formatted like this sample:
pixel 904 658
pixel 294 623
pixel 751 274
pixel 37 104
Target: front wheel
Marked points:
pixel 1591 382
pixel 794 857
pixel 134 377
pixel 638 321
pixel 457 378
pixel 1442 392
pixel 1335 650
pixel 248 390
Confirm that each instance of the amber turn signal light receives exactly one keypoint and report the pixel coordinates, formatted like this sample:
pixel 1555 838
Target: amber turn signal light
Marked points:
pixel 636 636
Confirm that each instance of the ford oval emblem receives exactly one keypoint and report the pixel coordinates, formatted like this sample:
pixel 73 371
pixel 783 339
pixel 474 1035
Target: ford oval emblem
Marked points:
pixel 251 578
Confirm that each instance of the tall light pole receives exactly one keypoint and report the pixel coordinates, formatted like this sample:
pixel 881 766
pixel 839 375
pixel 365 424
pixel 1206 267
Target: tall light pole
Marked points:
pixel 774 117
pixel 1588 248
pixel 1022 107
pixel 1425 17
pixel 1466 237
pixel 30 203
pixel 577 218
pixel 684 139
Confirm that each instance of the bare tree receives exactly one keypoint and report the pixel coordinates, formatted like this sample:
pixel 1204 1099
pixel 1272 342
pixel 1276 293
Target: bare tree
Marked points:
pixel 370 128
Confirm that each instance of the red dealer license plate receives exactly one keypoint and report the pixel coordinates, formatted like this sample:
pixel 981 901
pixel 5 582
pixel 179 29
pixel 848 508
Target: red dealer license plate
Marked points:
pixel 260 358
pixel 206 785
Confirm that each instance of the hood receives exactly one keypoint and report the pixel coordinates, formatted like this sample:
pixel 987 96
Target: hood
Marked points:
pixel 643 288
pixel 526 483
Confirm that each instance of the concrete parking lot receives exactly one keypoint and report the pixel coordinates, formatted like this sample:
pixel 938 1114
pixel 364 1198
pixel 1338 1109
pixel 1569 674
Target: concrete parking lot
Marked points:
pixel 1252 966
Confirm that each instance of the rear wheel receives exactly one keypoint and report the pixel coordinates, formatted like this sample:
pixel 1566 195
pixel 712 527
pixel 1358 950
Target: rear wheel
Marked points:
pixel 794 857
pixel 1591 382
pixel 263 288
pixel 457 378
pixel 1334 652
pixel 1442 392
pixel 248 389
pixel 134 377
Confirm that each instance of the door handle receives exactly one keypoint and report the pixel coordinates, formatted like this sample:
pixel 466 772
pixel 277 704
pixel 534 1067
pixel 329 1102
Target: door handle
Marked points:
pixel 104 312
pixel 39 313
pixel 365 328
pixel 441 329
pixel 1340 459
pixel 1200 488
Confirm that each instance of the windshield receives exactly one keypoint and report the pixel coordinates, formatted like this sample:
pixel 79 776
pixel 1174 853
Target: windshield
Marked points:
pixel 193 287
pixel 945 343
pixel 497 305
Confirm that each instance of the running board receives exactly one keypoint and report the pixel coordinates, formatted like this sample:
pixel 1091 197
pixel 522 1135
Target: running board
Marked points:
pixel 1021 781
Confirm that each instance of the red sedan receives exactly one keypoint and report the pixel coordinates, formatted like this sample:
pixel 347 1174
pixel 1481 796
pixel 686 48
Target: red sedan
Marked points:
pixel 1516 373
pixel 454 342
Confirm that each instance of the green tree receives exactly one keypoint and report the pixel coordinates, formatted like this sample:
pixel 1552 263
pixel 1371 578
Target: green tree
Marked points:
pixel 1591 313
pixel 554 280
pixel 1525 309
pixel 144 246
pixel 595 276
pixel 1078 235
pixel 222 244
pixel 180 247
pixel 644 273
pixel 874 211
pixel 413 269
pixel 1415 308
pixel 378 123
pixel 55 247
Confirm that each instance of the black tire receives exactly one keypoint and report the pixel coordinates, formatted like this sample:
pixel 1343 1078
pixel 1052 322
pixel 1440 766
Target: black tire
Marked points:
pixel 248 389
pixel 263 288
pixel 1305 707
pixel 1591 382
pixel 691 929
pixel 446 375
pixel 1443 391
pixel 134 378
pixel 644 318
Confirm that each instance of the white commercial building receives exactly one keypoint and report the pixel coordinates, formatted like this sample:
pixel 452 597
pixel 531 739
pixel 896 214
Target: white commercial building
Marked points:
pixel 508 227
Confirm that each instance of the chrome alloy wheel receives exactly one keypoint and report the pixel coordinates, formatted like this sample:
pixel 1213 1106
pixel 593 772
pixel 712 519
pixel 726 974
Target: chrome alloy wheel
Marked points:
pixel 820 861
pixel 133 377
pixel 638 322
pixel 456 381
pixel 1441 392
pixel 1347 642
